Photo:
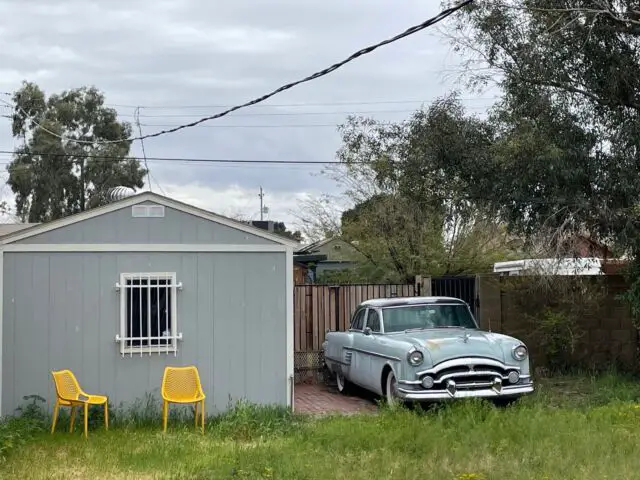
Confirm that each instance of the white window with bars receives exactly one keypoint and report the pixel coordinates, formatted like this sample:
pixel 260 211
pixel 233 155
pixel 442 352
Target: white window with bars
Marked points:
pixel 148 313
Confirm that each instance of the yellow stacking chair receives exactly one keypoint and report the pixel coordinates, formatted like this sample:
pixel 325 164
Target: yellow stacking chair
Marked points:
pixel 69 394
pixel 182 385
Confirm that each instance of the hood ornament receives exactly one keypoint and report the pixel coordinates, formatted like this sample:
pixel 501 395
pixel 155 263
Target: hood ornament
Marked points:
pixel 465 337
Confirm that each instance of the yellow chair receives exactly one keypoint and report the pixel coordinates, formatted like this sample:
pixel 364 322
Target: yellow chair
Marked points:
pixel 182 385
pixel 69 394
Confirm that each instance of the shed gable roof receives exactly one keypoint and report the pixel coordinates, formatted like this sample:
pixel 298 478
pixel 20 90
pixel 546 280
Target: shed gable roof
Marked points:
pixel 37 229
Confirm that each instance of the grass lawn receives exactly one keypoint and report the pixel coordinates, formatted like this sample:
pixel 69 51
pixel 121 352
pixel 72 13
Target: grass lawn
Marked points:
pixel 573 428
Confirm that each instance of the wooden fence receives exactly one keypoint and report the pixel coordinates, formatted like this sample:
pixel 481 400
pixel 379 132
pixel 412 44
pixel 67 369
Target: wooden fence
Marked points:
pixel 318 308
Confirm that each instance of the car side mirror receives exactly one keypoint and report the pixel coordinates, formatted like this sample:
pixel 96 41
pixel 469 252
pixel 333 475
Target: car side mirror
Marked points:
pixel 367 331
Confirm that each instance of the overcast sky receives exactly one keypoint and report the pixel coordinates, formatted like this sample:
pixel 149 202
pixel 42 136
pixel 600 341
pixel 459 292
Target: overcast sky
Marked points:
pixel 183 59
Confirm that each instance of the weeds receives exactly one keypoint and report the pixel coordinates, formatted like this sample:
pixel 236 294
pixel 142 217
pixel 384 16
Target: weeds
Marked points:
pixel 574 427
pixel 244 421
pixel 18 430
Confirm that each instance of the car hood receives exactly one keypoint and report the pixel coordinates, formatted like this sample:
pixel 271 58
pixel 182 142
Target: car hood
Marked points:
pixel 443 344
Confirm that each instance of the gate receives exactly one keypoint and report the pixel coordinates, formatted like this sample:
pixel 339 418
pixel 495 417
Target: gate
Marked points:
pixel 462 287
pixel 318 308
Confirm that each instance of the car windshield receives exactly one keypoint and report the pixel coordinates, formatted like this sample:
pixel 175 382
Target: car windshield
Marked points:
pixel 398 319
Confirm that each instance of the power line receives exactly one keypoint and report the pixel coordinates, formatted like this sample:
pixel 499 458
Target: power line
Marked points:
pixel 410 31
pixel 364 51
pixel 176 159
pixel 291 105
pixel 426 202
pixel 289 163
pixel 288 114
pixel 274 114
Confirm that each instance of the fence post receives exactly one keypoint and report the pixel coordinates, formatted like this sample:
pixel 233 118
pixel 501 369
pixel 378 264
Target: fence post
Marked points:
pixel 336 306
pixel 425 286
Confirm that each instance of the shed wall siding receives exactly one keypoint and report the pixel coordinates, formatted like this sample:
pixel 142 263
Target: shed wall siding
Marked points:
pixel 61 310
pixel 121 227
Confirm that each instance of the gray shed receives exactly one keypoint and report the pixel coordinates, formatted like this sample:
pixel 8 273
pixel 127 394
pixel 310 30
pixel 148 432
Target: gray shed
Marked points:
pixel 118 292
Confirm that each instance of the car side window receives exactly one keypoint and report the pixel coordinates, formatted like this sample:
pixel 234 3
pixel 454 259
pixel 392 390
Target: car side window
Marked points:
pixel 373 321
pixel 357 323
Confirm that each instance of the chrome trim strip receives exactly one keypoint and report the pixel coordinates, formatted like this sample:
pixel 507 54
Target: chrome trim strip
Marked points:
pixel 336 360
pixel 410 382
pixel 466 361
pixel 506 391
pixel 374 354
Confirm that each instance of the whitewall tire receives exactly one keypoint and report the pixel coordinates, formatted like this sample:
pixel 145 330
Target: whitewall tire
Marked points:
pixel 390 392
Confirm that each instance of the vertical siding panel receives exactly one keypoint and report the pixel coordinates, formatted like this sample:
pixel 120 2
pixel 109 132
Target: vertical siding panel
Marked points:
pixel 276 325
pixel 256 334
pixel 58 354
pixel 28 336
pixel 74 293
pixel 8 334
pixel 188 309
pixel 41 316
pixel 90 319
pixel 108 317
pixel 205 341
pixel 228 347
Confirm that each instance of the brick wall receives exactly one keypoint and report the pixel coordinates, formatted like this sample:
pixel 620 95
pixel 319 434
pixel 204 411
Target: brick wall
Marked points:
pixel 605 334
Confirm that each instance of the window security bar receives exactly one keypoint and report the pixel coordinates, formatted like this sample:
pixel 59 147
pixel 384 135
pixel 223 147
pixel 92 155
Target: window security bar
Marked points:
pixel 168 339
pixel 148 313
pixel 119 286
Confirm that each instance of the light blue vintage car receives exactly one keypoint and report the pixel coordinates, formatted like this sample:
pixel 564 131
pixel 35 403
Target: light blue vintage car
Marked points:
pixel 426 349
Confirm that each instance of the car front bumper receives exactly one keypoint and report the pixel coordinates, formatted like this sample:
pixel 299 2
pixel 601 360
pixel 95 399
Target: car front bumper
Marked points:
pixel 506 391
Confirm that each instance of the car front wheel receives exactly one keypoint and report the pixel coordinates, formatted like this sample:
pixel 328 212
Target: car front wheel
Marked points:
pixel 391 390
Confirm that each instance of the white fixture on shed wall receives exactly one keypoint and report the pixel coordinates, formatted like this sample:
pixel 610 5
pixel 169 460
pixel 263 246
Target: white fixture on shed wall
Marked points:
pixel 141 211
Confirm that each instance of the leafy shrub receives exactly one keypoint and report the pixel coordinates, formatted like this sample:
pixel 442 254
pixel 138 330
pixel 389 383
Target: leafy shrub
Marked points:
pixel 17 430
pixel 558 333
pixel 246 421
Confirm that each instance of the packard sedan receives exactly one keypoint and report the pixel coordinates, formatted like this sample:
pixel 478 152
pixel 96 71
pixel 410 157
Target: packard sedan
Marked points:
pixel 426 349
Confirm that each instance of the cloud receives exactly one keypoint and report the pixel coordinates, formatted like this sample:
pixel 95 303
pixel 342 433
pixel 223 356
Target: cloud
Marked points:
pixel 190 53
pixel 233 201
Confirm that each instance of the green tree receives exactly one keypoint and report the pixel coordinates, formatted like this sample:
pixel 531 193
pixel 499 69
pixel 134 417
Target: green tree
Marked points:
pixel 571 111
pixel 411 183
pixel 64 165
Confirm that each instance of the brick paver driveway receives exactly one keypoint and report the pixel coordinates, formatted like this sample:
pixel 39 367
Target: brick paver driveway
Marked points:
pixel 321 399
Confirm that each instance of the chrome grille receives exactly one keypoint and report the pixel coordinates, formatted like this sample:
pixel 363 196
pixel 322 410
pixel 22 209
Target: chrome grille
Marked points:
pixel 470 377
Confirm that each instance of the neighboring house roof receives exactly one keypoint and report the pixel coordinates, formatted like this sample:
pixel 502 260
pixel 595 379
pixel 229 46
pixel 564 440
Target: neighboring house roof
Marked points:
pixel 9 228
pixel 307 258
pixel 313 247
pixel 31 230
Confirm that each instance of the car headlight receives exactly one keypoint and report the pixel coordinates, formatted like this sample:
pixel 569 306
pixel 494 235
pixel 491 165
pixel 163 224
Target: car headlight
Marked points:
pixel 519 352
pixel 415 358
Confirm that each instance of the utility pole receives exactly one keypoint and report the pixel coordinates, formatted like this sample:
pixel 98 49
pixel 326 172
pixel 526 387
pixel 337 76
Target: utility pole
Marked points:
pixel 261 195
